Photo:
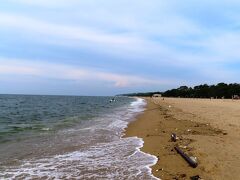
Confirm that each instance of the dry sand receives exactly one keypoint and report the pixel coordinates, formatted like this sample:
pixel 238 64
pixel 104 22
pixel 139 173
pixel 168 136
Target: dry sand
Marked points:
pixel 208 129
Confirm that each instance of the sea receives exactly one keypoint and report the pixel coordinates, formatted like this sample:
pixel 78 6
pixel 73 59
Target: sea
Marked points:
pixel 70 137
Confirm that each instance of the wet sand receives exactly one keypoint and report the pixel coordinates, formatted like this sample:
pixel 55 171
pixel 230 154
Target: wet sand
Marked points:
pixel 207 129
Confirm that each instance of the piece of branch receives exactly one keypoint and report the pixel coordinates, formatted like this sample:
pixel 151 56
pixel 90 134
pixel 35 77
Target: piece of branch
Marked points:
pixel 192 162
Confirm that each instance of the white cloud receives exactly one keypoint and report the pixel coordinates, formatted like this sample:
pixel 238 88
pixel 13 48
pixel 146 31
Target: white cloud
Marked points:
pixel 66 72
pixel 65 32
pixel 120 44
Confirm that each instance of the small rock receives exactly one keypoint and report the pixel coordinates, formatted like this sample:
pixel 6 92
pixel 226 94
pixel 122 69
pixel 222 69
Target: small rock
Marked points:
pixel 174 137
pixel 182 175
pixel 197 177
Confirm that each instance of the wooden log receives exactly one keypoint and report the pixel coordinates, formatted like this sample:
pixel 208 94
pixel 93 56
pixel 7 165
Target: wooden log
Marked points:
pixel 190 161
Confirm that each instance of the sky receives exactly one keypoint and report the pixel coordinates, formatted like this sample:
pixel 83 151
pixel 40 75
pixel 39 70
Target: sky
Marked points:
pixel 106 47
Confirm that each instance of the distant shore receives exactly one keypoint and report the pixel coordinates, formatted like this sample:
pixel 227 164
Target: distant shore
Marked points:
pixel 207 129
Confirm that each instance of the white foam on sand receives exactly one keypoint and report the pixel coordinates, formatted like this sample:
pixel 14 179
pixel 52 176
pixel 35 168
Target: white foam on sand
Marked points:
pixel 115 160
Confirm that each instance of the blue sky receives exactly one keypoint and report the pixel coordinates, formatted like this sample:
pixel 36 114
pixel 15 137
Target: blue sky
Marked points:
pixel 106 47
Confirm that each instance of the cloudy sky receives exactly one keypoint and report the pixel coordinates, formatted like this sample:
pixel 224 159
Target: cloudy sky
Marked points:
pixel 106 47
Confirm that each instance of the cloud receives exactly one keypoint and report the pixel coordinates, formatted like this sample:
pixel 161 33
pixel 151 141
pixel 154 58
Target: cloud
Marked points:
pixel 224 46
pixel 200 39
pixel 43 3
pixel 39 27
pixel 143 49
pixel 18 70
pixel 135 44
pixel 118 44
pixel 65 72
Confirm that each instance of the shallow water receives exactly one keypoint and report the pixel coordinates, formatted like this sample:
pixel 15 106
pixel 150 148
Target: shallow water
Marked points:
pixel 70 137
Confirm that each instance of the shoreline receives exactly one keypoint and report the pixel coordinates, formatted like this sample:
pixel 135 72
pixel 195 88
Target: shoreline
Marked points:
pixel 201 134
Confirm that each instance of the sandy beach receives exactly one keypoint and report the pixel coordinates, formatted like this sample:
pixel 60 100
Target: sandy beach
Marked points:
pixel 207 129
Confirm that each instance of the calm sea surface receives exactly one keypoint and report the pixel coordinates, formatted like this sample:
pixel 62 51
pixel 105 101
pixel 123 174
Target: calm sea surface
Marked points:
pixel 70 137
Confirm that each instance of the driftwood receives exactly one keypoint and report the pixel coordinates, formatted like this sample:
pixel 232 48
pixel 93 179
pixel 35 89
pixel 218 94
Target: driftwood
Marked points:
pixel 190 161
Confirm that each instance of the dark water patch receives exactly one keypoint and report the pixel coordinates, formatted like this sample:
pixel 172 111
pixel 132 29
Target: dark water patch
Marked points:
pixel 19 113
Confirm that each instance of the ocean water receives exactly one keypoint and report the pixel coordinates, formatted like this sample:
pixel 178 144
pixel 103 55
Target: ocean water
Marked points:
pixel 70 137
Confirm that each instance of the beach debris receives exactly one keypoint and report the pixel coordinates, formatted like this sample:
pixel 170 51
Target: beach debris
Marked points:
pixel 184 147
pixel 169 106
pixel 192 161
pixel 235 97
pixel 179 176
pixel 182 175
pixel 112 100
pixel 189 130
pixel 161 169
pixel 197 177
pixel 174 137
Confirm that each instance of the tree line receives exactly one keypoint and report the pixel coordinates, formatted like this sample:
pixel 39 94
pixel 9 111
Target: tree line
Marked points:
pixel 221 90
pixel 141 94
